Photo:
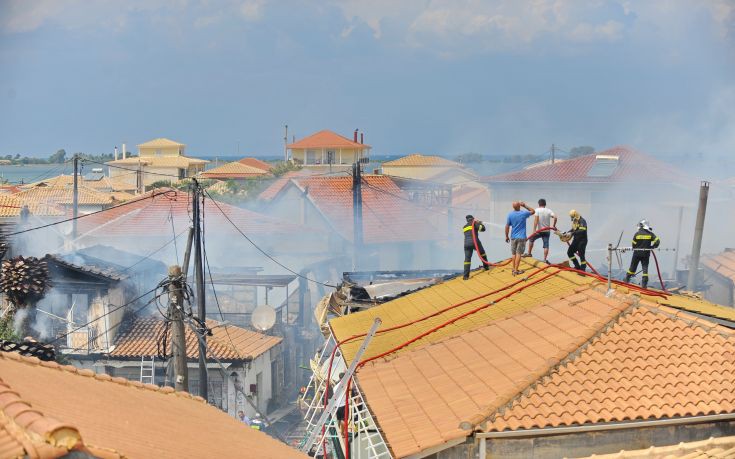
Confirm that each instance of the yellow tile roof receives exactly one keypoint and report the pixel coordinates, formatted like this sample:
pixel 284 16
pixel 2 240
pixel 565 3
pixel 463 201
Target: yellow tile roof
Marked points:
pixel 10 206
pixel 117 183
pixel 159 161
pixel 63 195
pixel 161 142
pixel 234 169
pixel 720 448
pixel 699 306
pixel 418 160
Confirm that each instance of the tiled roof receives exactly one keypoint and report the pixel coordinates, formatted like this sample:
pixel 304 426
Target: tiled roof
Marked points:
pixel 699 306
pixel 148 216
pixel 11 205
pixel 275 188
pixel 723 263
pixel 326 139
pixel 653 363
pixel 80 263
pixel 161 142
pixel 418 160
pixel 435 298
pixel 387 215
pixel 632 166
pixel 258 164
pixel 106 184
pixel 63 195
pixel 158 161
pixel 47 410
pixel 711 448
pixel 140 339
pixel 235 169
pixel 420 397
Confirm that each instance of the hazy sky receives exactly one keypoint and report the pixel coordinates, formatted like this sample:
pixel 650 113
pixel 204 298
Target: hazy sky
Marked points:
pixel 446 77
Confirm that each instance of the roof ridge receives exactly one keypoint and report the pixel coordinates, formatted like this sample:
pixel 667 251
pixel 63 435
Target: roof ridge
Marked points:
pixel 577 349
pixel 686 316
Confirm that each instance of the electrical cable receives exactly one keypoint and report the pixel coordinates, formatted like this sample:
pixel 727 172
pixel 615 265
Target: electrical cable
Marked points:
pixel 46 174
pixel 154 194
pixel 227 217
pixel 133 170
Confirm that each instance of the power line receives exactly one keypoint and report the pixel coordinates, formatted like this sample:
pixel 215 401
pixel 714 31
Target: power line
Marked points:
pixel 261 250
pixel 48 173
pixel 132 170
pixel 154 194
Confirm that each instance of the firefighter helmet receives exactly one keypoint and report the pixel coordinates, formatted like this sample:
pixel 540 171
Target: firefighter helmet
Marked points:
pixel 574 214
pixel 644 224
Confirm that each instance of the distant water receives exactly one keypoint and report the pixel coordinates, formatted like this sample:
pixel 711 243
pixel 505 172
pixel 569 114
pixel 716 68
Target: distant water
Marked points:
pixel 32 172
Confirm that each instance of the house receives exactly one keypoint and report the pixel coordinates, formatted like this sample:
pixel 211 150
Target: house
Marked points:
pixel 328 149
pixel 94 180
pixel 397 233
pixel 253 380
pixel 548 365
pixel 49 410
pixel 432 168
pixel 238 170
pixel 89 199
pixel 719 276
pixel 158 160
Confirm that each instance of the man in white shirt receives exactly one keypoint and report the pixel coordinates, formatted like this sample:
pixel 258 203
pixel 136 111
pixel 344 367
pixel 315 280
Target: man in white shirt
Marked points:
pixel 545 218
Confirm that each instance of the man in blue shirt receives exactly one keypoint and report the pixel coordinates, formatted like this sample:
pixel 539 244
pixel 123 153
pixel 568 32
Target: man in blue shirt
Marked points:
pixel 517 221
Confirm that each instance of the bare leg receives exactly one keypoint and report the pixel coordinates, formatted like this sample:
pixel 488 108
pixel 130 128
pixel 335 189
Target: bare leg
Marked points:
pixel 530 247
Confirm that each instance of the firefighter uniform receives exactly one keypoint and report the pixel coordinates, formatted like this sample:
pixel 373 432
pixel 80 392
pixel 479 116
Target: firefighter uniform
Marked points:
pixel 469 244
pixel 578 245
pixel 643 239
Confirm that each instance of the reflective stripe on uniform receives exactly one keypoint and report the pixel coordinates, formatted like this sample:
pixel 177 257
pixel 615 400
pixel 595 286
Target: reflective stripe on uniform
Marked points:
pixel 631 273
pixel 634 242
pixel 643 236
pixel 584 262
pixel 583 228
pixel 645 274
pixel 467 228
pixel 468 262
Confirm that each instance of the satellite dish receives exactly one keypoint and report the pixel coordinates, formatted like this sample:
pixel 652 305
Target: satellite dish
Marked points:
pixel 263 318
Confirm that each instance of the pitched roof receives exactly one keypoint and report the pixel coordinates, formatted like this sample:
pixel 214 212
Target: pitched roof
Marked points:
pixel 419 160
pixel 11 205
pixel 117 183
pixel 150 215
pixel 629 166
pixel 47 410
pixel 158 161
pixel 254 162
pixel 275 188
pixel 235 169
pixel 711 448
pixel 723 263
pixel 326 139
pixel 388 215
pixel 654 362
pixel 420 397
pixel 161 142
pixel 140 338
pixel 63 195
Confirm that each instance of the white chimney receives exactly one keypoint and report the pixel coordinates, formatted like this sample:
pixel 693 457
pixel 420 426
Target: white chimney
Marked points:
pixel 115 153
pixel 125 153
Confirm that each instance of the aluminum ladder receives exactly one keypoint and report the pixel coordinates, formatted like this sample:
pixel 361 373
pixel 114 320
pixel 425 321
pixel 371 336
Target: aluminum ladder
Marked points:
pixel 148 369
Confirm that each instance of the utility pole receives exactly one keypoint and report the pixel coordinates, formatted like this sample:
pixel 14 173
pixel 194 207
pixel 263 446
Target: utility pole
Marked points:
pixel 285 143
pixel 356 212
pixel 75 197
pixel 178 337
pixel 698 232
pixel 553 153
pixel 199 279
pixel 139 180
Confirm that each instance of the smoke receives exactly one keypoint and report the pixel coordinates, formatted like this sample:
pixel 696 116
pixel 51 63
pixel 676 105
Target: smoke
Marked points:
pixel 20 316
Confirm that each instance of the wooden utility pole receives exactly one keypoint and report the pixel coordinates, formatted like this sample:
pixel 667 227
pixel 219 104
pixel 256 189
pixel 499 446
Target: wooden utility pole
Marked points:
pixel 356 212
pixel 698 233
pixel 178 337
pixel 199 279
pixel 553 153
pixel 75 197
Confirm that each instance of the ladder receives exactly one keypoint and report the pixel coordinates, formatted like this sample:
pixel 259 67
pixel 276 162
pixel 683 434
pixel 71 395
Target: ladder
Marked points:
pixel 148 369
pixel 364 429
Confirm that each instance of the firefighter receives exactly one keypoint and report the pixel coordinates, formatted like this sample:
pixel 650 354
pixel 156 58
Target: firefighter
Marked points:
pixel 644 239
pixel 579 240
pixel 469 244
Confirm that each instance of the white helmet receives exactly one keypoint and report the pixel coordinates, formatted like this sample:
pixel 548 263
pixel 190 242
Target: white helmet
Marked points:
pixel 644 224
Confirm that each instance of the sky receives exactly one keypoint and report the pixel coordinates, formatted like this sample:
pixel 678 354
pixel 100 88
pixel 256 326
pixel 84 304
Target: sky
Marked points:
pixel 432 76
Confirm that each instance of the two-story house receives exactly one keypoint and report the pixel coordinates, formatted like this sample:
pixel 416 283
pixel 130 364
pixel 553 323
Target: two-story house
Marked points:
pixel 328 149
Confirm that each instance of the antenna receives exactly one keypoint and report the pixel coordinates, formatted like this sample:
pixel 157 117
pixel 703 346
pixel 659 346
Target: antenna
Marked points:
pixel 263 318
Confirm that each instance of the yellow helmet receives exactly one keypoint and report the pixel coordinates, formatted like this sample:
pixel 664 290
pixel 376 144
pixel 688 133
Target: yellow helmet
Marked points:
pixel 574 214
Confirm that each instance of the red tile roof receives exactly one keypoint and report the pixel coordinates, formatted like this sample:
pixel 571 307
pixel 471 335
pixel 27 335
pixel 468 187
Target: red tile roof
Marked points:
pixel 254 162
pixel 632 166
pixel 140 339
pixel 723 263
pixel 652 363
pixel 151 216
pixel 48 410
pixel 326 139
pixel 388 215
pixel 274 188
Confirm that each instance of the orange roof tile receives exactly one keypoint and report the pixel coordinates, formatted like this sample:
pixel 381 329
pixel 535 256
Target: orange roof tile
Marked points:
pixel 63 195
pixel 11 205
pixel 418 160
pixel 388 215
pixel 275 188
pixel 235 169
pixel 326 139
pixel 472 374
pixel 105 184
pixel 711 448
pixel 654 362
pixel 140 339
pixel 254 162
pixel 47 409
pixel 723 263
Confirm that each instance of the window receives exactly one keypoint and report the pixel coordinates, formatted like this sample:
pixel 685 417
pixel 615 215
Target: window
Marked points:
pixel 331 156
pixel 158 153
pixel 182 174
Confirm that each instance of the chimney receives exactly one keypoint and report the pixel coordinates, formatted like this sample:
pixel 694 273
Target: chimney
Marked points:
pixel 124 152
pixel 115 152
pixel 698 232
pixel 362 138
pixel 355 136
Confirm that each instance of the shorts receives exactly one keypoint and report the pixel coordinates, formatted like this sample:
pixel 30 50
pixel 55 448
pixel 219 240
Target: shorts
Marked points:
pixel 544 237
pixel 517 246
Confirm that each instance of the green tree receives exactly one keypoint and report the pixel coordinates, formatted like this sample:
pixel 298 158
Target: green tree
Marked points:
pixel 467 158
pixel 58 157
pixel 581 151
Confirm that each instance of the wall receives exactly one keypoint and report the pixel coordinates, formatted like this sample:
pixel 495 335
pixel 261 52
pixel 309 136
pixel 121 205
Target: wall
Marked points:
pixel 164 151
pixel 348 155
pixel 720 289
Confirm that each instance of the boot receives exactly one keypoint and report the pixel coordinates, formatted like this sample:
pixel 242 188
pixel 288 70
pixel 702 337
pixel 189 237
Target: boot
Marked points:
pixel 466 272
pixel 644 282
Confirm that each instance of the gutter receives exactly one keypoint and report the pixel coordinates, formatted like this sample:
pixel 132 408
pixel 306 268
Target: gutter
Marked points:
pixel 526 433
